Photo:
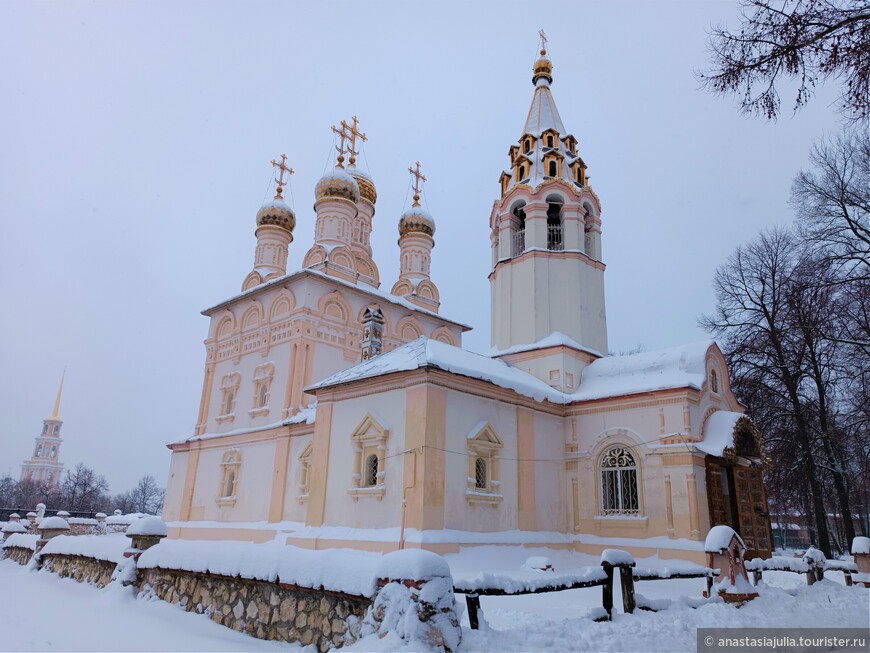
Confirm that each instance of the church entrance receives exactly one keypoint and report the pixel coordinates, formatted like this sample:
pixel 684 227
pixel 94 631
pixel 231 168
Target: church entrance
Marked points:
pixel 735 490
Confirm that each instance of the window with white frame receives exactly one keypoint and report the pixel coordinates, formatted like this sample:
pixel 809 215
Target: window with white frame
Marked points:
pixel 229 393
pixel 231 464
pixel 263 375
pixel 369 440
pixel 484 447
pixel 619 486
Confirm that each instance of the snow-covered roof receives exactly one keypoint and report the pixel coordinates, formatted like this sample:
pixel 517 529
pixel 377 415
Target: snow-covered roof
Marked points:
pixel 304 416
pixel 861 545
pixel 718 432
pixel 361 287
pixel 543 114
pixel 675 367
pixel 555 339
pixel 613 376
pixel 720 537
pixel 53 523
pixel 424 352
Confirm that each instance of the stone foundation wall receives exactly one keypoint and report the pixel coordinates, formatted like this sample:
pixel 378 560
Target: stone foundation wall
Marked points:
pixel 17 554
pixel 262 609
pixel 82 569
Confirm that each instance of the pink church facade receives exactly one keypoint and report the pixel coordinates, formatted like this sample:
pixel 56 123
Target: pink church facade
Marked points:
pixel 334 413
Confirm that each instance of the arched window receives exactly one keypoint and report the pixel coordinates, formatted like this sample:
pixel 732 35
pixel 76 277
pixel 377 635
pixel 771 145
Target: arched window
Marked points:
pixel 527 145
pixel 619 489
pixel 522 174
pixel 553 171
pixel 481 481
pixel 53 450
pixel 549 140
pixel 229 393
pixel 519 228
pixel 371 478
pixel 554 224
pixel 38 451
pixel 230 484
pixel 714 381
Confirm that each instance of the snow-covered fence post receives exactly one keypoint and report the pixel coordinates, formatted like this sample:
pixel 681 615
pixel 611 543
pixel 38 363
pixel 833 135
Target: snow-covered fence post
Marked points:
pixel 144 533
pixel 48 528
pixel 13 526
pixel 607 590
pixel 101 523
pixel 415 600
pixel 625 562
pixel 31 517
pixel 472 602
pixel 861 554
pixel 815 560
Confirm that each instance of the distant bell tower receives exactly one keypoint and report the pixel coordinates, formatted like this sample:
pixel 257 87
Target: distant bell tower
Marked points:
pixel 43 466
pixel 547 274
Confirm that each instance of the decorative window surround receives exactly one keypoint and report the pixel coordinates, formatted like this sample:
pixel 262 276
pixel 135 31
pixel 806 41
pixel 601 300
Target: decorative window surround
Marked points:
pixel 229 395
pixel 230 465
pixel 483 481
pixel 263 375
pixel 304 474
pixel 369 439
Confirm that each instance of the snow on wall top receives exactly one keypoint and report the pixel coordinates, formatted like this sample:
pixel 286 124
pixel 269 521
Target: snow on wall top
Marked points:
pixel 337 570
pixel 21 540
pixel 413 564
pixel 613 376
pixel 861 545
pixel 718 432
pixel 304 416
pixel 101 547
pixel 617 557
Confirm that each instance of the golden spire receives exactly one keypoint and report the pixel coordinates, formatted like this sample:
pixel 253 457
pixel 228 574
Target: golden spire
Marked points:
pixel 418 177
pixel 53 415
pixel 340 148
pixel 354 133
pixel 280 178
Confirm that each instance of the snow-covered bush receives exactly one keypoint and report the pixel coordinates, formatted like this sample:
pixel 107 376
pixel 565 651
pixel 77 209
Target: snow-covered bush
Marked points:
pixel 415 601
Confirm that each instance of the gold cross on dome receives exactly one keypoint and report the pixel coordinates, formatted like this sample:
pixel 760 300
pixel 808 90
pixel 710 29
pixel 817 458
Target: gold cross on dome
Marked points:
pixel 543 41
pixel 342 136
pixel 418 177
pixel 353 134
pixel 280 178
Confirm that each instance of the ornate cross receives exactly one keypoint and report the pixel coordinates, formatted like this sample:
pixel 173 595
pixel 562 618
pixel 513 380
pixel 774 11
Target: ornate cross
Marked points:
pixel 353 134
pixel 280 178
pixel 418 177
pixel 543 41
pixel 343 136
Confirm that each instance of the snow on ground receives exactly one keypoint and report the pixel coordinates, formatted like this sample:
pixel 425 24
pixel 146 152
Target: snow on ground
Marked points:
pixel 59 614
pixel 86 618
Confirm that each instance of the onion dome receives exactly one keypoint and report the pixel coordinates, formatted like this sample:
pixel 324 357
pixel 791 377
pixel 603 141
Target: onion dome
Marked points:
pixel 416 220
pixel 543 68
pixel 276 213
pixel 366 185
pixel 337 184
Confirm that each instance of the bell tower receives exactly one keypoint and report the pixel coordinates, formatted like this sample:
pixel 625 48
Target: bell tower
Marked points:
pixel 44 466
pixel 547 279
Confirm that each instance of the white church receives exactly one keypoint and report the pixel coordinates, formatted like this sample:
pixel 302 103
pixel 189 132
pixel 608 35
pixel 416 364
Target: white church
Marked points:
pixel 335 413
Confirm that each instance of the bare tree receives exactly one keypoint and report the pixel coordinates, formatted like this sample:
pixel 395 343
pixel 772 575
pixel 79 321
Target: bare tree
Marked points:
pixel 809 41
pixel 754 318
pixel 82 489
pixel 832 200
pixel 146 497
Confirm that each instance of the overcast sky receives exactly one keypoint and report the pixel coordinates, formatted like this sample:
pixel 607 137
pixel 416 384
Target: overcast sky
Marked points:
pixel 135 143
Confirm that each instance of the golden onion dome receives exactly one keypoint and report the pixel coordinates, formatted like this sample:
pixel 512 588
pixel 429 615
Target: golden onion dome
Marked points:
pixel 416 220
pixel 278 214
pixel 543 69
pixel 366 185
pixel 337 184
